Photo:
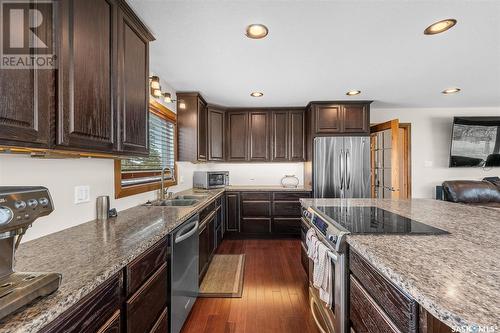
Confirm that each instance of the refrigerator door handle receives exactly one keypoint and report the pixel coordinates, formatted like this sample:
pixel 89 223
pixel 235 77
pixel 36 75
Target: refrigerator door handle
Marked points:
pixel 341 169
pixel 348 168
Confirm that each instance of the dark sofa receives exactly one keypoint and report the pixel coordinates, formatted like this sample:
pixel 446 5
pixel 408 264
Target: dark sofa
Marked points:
pixel 484 192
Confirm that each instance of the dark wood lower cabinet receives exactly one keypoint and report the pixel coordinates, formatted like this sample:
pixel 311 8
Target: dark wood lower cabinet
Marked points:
pixel 139 270
pixel 264 213
pixel 146 305
pixel 396 305
pixel 113 325
pixel 203 250
pixel 377 305
pixel 232 211
pixel 255 208
pixel 256 225
pixel 161 325
pixel 430 324
pixel 210 235
pixel 286 225
pixel 93 312
pixel 365 314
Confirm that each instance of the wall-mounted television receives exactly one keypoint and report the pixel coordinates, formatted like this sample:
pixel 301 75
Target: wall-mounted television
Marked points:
pixel 475 142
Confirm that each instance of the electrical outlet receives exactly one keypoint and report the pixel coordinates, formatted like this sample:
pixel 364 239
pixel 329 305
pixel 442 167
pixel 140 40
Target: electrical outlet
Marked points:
pixel 82 194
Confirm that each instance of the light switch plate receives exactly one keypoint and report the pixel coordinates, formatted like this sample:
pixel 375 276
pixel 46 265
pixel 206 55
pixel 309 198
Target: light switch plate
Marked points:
pixel 82 194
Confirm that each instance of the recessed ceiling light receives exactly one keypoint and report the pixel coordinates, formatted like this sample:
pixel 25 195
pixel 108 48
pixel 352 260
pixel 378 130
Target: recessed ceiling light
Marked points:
pixel 439 27
pixel 256 31
pixel 353 92
pixel 256 94
pixel 450 91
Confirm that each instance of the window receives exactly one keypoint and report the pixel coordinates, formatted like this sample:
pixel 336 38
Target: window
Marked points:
pixel 143 174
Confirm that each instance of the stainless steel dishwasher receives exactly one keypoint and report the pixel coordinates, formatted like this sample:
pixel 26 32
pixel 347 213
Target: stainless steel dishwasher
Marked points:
pixel 184 272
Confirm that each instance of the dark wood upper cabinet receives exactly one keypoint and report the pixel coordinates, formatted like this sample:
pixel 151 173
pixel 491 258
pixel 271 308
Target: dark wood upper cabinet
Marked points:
pixel 237 134
pixel 202 130
pixel 356 118
pixel 288 135
pixel 258 140
pixel 192 127
pixel 26 107
pixel 87 74
pixel 280 135
pixel 328 118
pixel 216 133
pixel 27 99
pixel 133 96
pixel 97 99
pixel 340 118
pixel 297 136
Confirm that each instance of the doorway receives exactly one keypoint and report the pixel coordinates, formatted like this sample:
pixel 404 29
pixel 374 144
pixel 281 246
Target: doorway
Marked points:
pixel 390 149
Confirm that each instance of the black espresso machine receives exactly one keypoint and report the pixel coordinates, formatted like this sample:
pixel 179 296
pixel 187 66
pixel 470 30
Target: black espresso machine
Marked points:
pixel 20 206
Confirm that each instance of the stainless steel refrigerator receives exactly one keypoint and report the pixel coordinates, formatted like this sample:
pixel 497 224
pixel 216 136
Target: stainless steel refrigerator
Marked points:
pixel 341 167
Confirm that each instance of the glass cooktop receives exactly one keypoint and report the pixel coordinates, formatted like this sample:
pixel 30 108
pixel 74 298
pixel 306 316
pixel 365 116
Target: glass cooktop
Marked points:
pixel 374 220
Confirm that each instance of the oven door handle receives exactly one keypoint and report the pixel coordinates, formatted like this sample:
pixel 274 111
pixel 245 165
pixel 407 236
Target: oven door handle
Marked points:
pixel 333 257
pixel 313 312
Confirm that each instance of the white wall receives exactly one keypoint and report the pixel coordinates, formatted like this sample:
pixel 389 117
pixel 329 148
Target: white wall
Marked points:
pixel 60 176
pixel 430 145
pixel 242 173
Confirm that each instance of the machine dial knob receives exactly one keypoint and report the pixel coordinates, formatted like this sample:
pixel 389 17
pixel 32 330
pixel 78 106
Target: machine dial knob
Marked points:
pixel 6 215
pixel 44 202
pixel 332 238
pixel 32 203
pixel 19 204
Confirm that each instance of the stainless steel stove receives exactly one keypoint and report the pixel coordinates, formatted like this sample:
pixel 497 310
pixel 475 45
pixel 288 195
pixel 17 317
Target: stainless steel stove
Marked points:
pixel 332 225
pixel 20 206
pixel 373 220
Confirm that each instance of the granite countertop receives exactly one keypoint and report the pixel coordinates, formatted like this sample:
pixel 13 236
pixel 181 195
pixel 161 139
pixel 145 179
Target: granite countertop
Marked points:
pixel 456 277
pixel 267 188
pixel 90 253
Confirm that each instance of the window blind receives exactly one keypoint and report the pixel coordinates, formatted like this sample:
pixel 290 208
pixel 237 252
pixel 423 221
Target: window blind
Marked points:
pixel 143 170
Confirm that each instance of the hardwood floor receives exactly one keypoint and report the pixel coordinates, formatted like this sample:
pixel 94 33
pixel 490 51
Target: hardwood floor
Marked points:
pixel 275 297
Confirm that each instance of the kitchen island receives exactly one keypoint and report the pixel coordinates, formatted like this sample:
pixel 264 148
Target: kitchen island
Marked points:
pixel 456 276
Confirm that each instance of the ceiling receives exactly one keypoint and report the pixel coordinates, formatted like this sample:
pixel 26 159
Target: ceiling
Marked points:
pixel 318 50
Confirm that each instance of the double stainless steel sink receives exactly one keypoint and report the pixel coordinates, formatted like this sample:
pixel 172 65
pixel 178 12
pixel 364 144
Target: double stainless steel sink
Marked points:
pixel 179 201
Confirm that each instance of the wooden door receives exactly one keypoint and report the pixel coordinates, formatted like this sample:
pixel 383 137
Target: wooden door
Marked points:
pixel 237 134
pixel 202 130
pixel 87 66
pixel 215 134
pixel 385 151
pixel 356 119
pixel 328 119
pixel 133 74
pixel 259 142
pixel 297 136
pixel 232 212
pixel 280 135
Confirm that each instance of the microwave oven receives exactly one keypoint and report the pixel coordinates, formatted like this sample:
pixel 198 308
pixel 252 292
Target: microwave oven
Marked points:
pixel 210 179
